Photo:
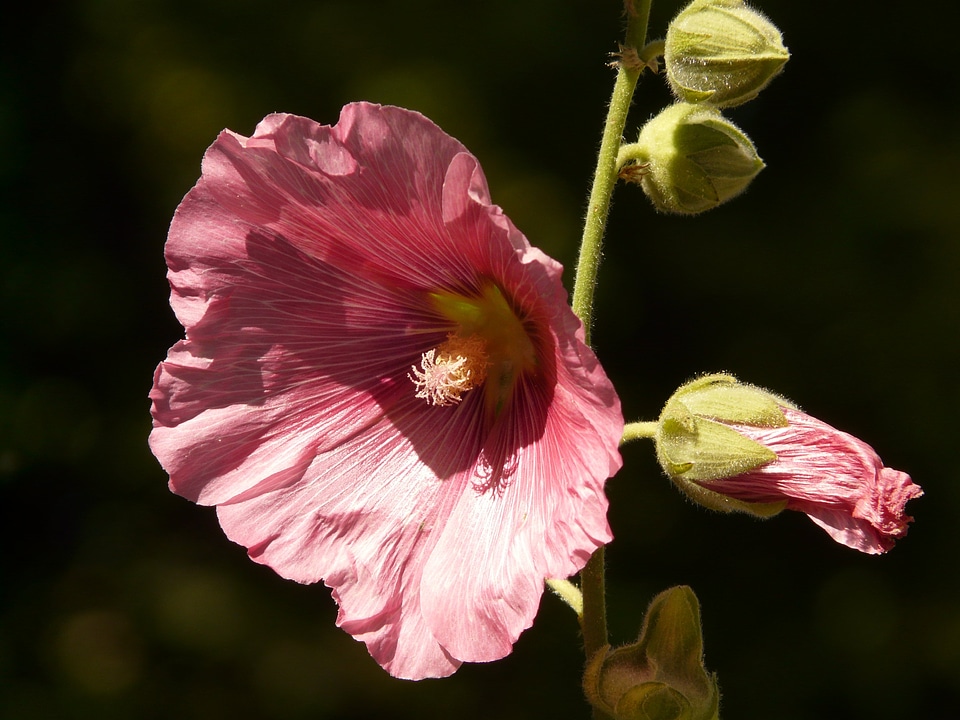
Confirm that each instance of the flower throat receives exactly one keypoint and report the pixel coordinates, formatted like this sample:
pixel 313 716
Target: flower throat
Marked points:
pixel 490 348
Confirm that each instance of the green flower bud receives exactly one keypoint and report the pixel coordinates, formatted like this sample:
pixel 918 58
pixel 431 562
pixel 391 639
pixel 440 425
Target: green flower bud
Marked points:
pixel 689 159
pixel 661 676
pixel 722 52
pixel 695 443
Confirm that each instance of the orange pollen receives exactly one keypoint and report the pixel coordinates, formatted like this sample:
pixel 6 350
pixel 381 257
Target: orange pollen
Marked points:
pixel 446 372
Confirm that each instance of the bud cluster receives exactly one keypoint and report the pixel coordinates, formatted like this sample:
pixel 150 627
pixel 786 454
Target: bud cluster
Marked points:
pixel 689 158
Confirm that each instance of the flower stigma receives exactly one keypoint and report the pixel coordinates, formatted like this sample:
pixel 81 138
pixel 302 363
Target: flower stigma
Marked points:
pixel 446 372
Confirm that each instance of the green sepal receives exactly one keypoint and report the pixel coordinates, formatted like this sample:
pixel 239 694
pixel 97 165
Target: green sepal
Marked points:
pixel 716 500
pixel 708 450
pixel 722 397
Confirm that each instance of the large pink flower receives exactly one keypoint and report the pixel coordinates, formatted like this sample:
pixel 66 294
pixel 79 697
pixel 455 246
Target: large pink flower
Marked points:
pixel 381 385
pixel 835 478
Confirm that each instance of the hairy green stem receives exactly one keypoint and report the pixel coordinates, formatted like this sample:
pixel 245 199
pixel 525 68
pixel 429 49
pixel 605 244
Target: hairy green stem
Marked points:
pixel 605 175
pixel 638 431
pixel 598 207
pixel 593 619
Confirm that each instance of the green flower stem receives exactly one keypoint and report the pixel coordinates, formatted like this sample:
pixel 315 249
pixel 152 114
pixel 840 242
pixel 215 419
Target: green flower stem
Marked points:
pixel 598 207
pixel 638 431
pixel 605 175
pixel 593 619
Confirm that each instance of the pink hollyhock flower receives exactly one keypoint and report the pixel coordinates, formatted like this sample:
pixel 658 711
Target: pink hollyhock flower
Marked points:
pixel 733 446
pixel 381 385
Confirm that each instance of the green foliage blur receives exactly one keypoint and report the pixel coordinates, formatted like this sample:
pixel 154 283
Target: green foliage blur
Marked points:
pixel 832 281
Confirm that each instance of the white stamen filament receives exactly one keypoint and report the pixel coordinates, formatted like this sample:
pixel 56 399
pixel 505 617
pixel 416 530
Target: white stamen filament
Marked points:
pixel 448 371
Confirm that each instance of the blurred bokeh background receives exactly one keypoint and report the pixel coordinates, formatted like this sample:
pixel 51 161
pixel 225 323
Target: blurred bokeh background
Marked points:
pixel 832 281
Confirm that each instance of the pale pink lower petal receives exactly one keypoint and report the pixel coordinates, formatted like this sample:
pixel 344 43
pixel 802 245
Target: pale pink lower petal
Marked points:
pixel 364 521
pixel 847 530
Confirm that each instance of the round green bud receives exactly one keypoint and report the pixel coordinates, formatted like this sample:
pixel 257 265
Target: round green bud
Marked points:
pixel 689 159
pixel 722 52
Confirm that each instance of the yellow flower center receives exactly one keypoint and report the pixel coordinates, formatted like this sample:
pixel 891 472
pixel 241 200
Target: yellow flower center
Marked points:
pixel 490 346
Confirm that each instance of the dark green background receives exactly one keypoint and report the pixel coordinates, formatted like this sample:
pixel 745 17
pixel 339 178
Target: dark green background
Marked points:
pixel 832 281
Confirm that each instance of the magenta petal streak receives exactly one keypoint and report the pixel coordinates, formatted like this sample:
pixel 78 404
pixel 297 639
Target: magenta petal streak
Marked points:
pixel 301 267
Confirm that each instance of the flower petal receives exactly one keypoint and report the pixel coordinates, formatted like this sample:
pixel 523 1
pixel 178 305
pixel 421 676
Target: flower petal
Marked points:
pixel 835 478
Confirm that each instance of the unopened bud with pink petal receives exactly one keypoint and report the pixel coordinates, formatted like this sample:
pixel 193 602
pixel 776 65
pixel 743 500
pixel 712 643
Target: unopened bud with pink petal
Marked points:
pixel 732 446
